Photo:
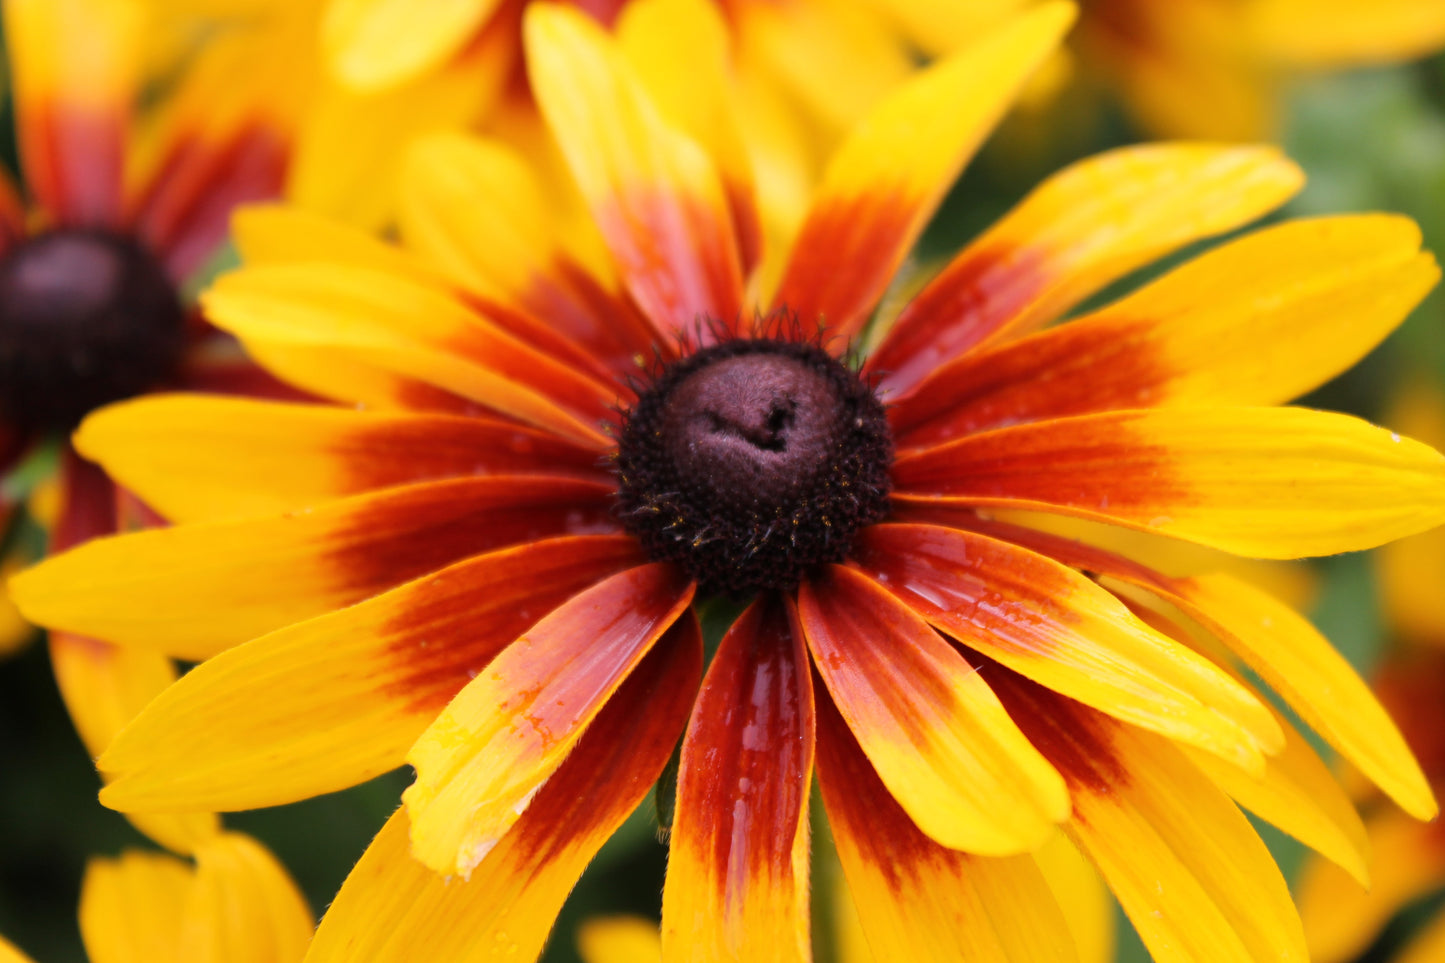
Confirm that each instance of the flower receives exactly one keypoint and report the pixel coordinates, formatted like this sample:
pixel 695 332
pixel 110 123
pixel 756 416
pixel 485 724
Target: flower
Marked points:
pixel 470 574
pixel 1407 860
pixel 126 206
pixel 235 904
pixel 1207 68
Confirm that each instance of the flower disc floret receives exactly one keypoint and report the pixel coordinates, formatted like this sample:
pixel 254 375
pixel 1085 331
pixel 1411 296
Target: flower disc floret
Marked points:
pixel 86 317
pixel 752 462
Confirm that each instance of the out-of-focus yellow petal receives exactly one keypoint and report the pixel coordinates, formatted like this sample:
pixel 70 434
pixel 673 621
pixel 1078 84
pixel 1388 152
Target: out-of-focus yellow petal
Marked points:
pixel 1413 569
pixel 15 631
pixel 104 687
pixel 9 953
pixel 1263 482
pixel 391 904
pixel 1188 868
pixel 194 590
pixel 1076 638
pixel 619 939
pixel 1300 664
pixel 243 907
pixel 1082 896
pixel 333 701
pixel 348 157
pixel 1084 227
pixel 203 457
pixel 373 44
pixel 938 737
pixel 886 180
pixel 75 65
pixel 1407 860
pixel 917 900
pixel 284 234
pixel 1342 33
pixel 481 762
pixel 1427 946
pixel 133 908
pixel 1255 322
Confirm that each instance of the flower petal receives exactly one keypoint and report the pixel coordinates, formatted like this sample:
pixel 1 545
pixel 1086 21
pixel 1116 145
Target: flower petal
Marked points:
pixel 883 184
pixel 484 758
pixel 199 458
pixel 194 590
pixel 1342 33
pixel 619 939
pixel 652 190
pixel 243 907
pixel 1407 861
pixel 1262 482
pixel 10 954
pixel 737 870
pixel 940 740
pixel 375 44
pixel 474 208
pixel 412 329
pixel 1194 878
pixel 75 65
pixel 104 688
pixel 918 900
pixel 332 701
pixel 132 908
pixel 268 234
pixel 391 904
pixel 1057 627
pixel 1086 226
pixel 1256 322
pixel 1083 897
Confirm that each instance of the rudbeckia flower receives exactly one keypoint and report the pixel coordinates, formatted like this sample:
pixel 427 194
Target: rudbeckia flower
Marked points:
pixel 1206 68
pixel 124 206
pixel 565 448
pixel 234 904
pixel 1407 859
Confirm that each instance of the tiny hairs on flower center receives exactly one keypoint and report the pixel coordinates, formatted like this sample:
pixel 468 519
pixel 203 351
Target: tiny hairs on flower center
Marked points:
pixel 753 461
pixel 86 317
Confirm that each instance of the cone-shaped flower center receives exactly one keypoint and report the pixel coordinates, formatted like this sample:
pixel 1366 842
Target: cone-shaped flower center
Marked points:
pixel 753 461
pixel 86 317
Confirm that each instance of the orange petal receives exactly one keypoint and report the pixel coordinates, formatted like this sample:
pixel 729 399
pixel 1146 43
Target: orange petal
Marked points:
pixel 335 700
pixel 940 740
pixel 199 458
pixel 1256 322
pixel 1186 865
pixel 1086 226
pixel 484 758
pixel 193 590
pixel 653 191
pixel 883 184
pixel 75 66
pixel 1262 482
pixel 737 872
pixel 104 688
pixel 391 904
pixel 918 900
pixel 1057 627
pixel 399 325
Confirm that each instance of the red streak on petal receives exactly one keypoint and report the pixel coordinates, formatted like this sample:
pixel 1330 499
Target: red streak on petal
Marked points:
pixel 408 532
pixel 87 506
pixel 607 326
pixel 748 758
pixel 844 259
pixel 1072 370
pixel 73 160
pixel 677 256
pixel 970 300
pixel 476 608
pixel 1412 687
pixel 1076 739
pixel 544 332
pixel 185 209
pixel 622 752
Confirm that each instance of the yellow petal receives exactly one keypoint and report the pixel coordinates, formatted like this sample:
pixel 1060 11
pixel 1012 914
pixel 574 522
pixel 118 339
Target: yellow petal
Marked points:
pixel 619 939
pixel 374 44
pixel 1342 33
pixel 1262 482
pixel 885 181
pixel 243 907
pixel 1082 896
pixel 132 908
pixel 283 234
pixel 10 954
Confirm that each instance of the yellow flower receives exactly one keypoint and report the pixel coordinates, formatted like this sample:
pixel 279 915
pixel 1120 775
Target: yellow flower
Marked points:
pixel 1407 859
pixel 233 904
pixel 1205 68
pixel 562 446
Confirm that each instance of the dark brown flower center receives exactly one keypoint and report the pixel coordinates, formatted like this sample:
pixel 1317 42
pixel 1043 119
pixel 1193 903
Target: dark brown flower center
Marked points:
pixel 86 317
pixel 752 462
